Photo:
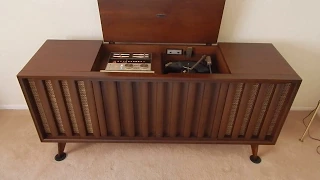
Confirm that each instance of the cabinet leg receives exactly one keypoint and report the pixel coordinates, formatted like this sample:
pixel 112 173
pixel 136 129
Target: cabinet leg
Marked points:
pixel 254 157
pixel 61 154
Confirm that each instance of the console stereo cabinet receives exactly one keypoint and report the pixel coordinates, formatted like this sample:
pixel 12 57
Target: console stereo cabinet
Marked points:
pixel 245 101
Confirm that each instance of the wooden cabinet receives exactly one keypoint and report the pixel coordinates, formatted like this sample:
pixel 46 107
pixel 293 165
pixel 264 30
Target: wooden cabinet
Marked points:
pixel 246 101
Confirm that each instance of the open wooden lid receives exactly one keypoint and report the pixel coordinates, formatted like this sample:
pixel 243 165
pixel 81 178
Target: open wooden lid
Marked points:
pixel 161 21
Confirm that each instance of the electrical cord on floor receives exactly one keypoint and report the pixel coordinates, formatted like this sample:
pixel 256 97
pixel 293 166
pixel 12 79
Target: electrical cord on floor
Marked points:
pixel 305 124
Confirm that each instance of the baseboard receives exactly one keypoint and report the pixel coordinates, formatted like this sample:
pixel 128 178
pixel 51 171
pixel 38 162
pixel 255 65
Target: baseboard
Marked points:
pixel 301 108
pixel 304 109
pixel 17 106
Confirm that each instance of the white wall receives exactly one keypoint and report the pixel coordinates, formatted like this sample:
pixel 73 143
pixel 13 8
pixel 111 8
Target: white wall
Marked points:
pixel 292 25
pixel 26 24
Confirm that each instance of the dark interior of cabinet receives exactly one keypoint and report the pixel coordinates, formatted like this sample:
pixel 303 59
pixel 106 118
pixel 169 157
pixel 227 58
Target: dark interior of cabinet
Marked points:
pixel 160 58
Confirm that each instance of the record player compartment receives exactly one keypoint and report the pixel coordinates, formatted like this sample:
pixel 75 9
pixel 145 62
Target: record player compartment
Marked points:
pixel 160 58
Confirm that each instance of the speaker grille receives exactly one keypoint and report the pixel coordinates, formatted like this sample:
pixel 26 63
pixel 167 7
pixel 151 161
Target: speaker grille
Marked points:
pixel 251 102
pixel 218 110
pixel 234 108
pixel 54 105
pixel 68 101
pixel 39 106
pixel 263 109
pixel 85 106
pixel 283 97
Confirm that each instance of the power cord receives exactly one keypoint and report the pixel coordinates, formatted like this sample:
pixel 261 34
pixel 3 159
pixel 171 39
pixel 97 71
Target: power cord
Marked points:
pixel 305 124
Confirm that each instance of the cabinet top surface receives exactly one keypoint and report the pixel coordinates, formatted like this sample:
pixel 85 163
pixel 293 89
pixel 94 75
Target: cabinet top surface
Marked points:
pixel 64 56
pixel 77 57
pixel 254 58
pixel 161 21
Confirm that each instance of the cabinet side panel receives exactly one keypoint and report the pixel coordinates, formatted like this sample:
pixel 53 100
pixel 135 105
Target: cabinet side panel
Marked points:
pixel 34 111
pixel 271 112
pixel 290 96
pixel 280 107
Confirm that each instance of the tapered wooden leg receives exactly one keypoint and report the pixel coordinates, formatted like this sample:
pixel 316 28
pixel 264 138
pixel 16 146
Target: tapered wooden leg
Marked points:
pixel 254 157
pixel 61 154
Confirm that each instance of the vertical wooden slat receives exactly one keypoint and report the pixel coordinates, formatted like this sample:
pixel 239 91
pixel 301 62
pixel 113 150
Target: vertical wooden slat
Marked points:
pixel 127 107
pixel 77 107
pixel 197 109
pixel 111 107
pixel 256 110
pixel 183 108
pixel 213 110
pixel 32 107
pixel 136 95
pixel 204 114
pixel 189 109
pixel 175 108
pixel 167 108
pixel 46 107
pixel 92 108
pixel 242 110
pixel 62 107
pixel 144 109
pixel 99 108
pixel 285 110
pixel 226 110
pixel 160 109
pixel 271 110
pixel 153 107
pixel 219 110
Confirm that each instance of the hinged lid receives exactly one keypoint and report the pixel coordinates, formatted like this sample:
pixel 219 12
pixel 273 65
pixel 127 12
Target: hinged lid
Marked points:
pixel 161 21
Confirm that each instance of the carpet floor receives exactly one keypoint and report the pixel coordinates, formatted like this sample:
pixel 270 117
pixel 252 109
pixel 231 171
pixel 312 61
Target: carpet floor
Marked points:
pixel 22 156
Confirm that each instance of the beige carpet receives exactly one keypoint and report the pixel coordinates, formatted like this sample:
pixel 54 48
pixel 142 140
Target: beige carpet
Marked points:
pixel 22 156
